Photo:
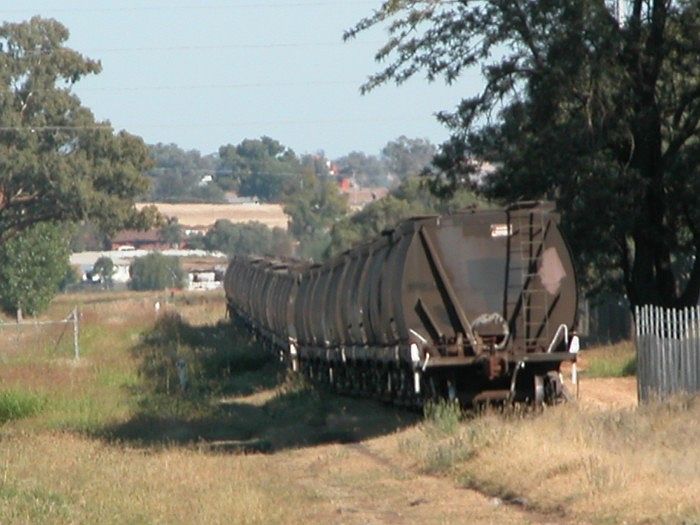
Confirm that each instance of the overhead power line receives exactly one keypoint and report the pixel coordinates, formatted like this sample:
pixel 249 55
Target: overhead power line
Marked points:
pixel 168 87
pixel 170 7
pixel 212 47
pixel 221 124
pixel 219 47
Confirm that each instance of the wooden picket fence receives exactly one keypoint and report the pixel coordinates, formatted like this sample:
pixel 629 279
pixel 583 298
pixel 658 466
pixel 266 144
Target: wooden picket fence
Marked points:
pixel 668 351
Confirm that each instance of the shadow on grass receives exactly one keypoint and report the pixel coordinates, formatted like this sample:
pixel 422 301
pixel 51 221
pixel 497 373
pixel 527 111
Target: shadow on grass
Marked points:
pixel 239 398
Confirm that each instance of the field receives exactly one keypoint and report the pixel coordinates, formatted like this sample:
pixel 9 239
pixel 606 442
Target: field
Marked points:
pixel 205 215
pixel 115 438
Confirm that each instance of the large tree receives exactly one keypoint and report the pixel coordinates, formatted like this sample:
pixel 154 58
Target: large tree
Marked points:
pixel 367 170
pixel 410 199
pixel 250 238
pixel 180 176
pixel 590 103
pixel 262 168
pixel 57 163
pixel 405 157
pixel 315 207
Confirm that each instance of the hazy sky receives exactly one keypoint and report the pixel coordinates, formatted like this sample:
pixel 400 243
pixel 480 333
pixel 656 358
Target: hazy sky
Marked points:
pixel 202 73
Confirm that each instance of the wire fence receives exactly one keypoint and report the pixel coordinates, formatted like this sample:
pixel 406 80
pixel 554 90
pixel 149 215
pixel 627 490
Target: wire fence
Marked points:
pixel 668 351
pixel 72 320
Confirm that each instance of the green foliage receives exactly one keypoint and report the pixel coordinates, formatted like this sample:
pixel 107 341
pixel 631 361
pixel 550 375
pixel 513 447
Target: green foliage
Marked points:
pixel 315 207
pixel 56 161
pixel 16 404
pixel 595 109
pixel 156 271
pixel 104 267
pixel 32 267
pixel 406 157
pixel 263 168
pixel 314 247
pixel 411 199
pixel 87 236
pixel 172 233
pixel 217 356
pixel 71 278
pixel 251 238
pixel 313 211
pixel 443 416
pixel 367 170
pixel 177 175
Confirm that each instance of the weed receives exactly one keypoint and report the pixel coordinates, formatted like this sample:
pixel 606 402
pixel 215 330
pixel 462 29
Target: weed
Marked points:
pixel 442 416
pixel 17 404
pixel 444 456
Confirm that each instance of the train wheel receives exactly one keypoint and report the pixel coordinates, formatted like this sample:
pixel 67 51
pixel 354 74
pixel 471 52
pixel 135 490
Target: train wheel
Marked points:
pixel 539 390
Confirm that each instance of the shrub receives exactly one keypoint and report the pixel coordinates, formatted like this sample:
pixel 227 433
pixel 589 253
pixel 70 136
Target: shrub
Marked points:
pixel 156 271
pixel 32 266
pixel 104 267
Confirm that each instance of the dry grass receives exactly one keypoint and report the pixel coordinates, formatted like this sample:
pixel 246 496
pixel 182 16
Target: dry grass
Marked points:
pixel 55 469
pixel 114 444
pixel 62 478
pixel 201 215
pixel 633 466
pixel 116 440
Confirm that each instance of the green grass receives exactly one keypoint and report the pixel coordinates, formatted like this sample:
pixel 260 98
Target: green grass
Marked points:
pixel 17 404
pixel 618 360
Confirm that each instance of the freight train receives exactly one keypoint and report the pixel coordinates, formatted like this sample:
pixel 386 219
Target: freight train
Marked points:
pixel 474 306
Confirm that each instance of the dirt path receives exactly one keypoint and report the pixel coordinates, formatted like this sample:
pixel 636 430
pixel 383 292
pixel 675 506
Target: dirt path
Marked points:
pixel 371 478
pixel 360 483
pixel 608 393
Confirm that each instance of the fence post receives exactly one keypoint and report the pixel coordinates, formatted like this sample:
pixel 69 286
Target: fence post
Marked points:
pixel 639 323
pixel 668 351
pixel 76 344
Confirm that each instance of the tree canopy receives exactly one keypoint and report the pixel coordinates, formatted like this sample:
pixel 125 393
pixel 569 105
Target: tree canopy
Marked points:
pixel 104 269
pixel 262 168
pixel 181 176
pixel 367 170
pixel 32 266
pixel 251 238
pixel 411 198
pixel 593 107
pixel 156 271
pixel 313 211
pixel 405 157
pixel 56 161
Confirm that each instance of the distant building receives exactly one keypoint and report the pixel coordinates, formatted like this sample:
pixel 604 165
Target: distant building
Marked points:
pixel 203 280
pixel 205 180
pixel 137 240
pixel 204 273
pixel 205 270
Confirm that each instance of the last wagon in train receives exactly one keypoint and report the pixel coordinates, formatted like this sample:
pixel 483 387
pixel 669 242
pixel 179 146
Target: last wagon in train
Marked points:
pixel 475 306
